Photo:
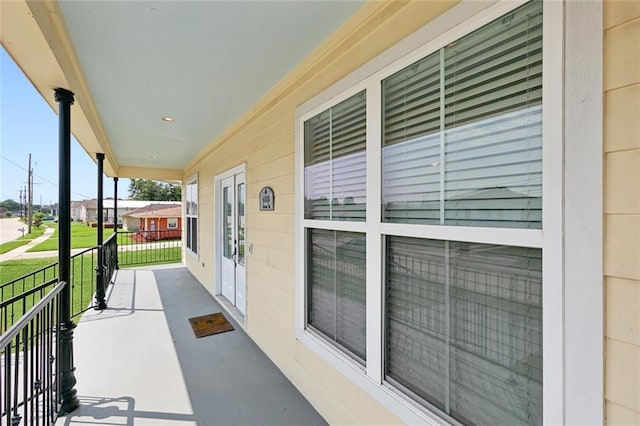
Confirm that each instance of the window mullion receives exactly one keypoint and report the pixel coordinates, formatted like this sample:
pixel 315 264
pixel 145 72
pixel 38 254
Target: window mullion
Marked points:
pixel 373 230
pixel 447 329
pixel 335 288
pixel 330 164
pixel 442 135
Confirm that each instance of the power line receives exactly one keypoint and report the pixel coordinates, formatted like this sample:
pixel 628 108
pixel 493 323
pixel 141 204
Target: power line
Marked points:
pixel 14 163
pixel 40 177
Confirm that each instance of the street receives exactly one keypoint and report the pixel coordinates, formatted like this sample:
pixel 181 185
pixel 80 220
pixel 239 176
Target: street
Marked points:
pixel 10 229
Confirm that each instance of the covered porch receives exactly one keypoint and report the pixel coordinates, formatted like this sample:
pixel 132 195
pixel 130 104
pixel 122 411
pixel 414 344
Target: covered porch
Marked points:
pixel 138 361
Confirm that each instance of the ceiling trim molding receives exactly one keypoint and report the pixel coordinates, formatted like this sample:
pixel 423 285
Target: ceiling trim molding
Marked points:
pixel 166 175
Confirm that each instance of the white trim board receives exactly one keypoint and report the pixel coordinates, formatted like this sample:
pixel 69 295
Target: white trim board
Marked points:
pixel 583 213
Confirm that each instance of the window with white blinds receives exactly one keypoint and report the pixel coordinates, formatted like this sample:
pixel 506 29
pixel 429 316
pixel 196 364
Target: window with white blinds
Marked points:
pixel 191 215
pixel 457 314
pixel 335 162
pixel 462 130
pixel 464 328
pixel 336 290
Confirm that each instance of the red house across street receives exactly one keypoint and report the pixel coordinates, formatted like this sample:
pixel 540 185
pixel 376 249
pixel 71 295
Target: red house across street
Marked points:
pixel 158 222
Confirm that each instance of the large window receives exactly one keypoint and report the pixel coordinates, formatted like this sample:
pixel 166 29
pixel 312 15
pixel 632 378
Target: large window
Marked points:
pixel 457 170
pixel 192 215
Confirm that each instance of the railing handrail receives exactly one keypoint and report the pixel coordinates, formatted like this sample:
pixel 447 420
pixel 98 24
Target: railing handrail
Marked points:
pixel 108 240
pixel 26 293
pixel 88 249
pixel 17 327
pixel 25 276
pixel 37 271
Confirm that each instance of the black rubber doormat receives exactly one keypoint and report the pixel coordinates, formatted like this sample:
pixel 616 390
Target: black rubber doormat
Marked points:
pixel 208 325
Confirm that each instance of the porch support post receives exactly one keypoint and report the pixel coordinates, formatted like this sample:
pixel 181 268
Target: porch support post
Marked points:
pixel 115 219
pixel 65 325
pixel 100 287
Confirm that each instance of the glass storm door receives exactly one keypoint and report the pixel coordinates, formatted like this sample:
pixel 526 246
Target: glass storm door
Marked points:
pixel 233 241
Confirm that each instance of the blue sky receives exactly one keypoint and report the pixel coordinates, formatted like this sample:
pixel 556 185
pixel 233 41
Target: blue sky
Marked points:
pixel 29 125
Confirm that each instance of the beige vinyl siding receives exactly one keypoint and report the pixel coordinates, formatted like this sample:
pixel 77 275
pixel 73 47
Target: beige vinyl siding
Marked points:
pixel 622 211
pixel 264 140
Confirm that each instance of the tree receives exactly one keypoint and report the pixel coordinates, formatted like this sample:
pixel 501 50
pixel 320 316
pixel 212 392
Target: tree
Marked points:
pixel 10 205
pixel 149 190
pixel 37 219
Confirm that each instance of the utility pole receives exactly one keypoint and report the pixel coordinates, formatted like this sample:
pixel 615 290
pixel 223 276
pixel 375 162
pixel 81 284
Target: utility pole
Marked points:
pixel 24 203
pixel 21 205
pixel 30 196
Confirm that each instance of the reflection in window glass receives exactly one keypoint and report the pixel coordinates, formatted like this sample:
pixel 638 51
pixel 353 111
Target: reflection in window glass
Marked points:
pixel 464 328
pixel 336 288
pixel 241 225
pixel 227 198
pixel 463 130
pixel 335 162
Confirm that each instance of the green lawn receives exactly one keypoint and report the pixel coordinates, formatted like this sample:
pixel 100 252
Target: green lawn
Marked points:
pixel 82 236
pixel 12 269
pixel 10 245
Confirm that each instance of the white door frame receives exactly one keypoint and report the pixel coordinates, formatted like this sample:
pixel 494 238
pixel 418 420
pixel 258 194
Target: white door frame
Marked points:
pixel 218 226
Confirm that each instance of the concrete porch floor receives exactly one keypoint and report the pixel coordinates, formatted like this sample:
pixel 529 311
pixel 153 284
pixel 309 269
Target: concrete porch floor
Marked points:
pixel 139 363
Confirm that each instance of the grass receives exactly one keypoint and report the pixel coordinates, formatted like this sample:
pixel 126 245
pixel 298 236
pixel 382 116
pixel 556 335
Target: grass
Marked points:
pixel 82 236
pixel 12 269
pixel 10 245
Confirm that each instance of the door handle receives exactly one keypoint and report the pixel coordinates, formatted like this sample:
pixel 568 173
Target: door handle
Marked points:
pixel 235 253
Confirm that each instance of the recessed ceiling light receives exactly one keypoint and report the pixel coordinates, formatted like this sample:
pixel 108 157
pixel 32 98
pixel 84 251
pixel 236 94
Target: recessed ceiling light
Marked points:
pixel 168 119
pixel 153 156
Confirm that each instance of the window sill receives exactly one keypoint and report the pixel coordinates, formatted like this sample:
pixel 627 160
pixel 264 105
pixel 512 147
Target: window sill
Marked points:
pixel 391 398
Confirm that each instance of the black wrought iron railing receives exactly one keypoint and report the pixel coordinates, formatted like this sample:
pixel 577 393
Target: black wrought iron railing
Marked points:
pixel 82 281
pixel 122 248
pixel 29 353
pixel 149 247
pixel 110 258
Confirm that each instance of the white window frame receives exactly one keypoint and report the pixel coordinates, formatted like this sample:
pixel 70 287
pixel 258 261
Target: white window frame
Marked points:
pixel 172 223
pixel 571 236
pixel 190 181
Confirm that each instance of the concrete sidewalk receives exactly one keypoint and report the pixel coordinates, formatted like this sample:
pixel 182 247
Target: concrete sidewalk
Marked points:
pixel 139 363
pixel 17 252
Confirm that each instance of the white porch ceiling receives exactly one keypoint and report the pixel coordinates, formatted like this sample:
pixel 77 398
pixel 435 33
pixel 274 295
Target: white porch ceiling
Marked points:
pixel 204 63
